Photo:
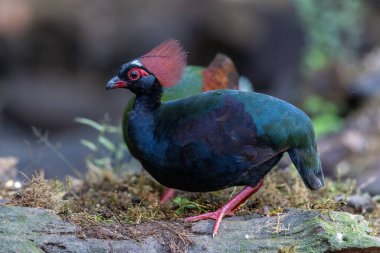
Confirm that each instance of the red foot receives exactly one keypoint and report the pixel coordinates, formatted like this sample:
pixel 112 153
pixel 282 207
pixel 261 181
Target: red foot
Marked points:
pixel 228 209
pixel 211 215
pixel 168 194
pixel 217 215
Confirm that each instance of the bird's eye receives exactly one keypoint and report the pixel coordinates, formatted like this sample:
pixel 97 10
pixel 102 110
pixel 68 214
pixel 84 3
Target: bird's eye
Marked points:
pixel 134 74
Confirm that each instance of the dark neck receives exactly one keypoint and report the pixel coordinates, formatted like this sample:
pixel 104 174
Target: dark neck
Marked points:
pixel 148 102
pixel 141 124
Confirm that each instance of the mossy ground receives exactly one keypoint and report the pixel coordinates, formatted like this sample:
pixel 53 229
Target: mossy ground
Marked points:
pixel 105 201
pixel 109 207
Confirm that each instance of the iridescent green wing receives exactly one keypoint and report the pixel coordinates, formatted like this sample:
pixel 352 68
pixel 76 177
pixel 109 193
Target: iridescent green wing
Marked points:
pixel 191 84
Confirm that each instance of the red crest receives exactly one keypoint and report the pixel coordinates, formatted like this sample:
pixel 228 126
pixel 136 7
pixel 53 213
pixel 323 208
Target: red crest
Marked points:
pixel 167 62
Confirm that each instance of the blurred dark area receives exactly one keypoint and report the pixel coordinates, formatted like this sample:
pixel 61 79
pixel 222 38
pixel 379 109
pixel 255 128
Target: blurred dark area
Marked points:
pixel 56 57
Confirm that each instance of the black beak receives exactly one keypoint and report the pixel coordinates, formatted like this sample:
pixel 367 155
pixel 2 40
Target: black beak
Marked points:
pixel 115 82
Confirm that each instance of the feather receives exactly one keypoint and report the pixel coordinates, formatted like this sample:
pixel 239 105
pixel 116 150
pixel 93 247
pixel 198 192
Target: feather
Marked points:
pixel 220 74
pixel 167 62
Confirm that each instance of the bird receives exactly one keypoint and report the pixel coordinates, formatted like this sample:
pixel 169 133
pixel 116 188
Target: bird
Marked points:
pixel 212 140
pixel 221 73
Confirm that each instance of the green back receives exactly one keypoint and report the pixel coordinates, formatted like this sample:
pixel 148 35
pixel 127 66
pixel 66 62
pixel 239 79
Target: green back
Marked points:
pixel 279 124
pixel 190 84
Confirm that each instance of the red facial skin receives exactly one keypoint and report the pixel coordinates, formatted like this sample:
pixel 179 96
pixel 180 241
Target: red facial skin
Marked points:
pixel 133 75
pixel 120 84
pixel 136 73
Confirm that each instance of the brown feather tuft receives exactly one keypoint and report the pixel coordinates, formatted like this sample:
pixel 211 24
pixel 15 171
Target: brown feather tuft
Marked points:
pixel 220 74
pixel 167 62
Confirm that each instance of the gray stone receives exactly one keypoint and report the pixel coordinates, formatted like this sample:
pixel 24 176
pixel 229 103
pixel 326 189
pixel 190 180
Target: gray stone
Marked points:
pixel 39 230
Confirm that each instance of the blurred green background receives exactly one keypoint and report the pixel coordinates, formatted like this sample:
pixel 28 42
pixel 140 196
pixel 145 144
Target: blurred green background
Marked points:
pixel 56 57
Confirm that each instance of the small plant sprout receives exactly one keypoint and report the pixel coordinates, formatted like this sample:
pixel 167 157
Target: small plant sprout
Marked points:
pixel 108 151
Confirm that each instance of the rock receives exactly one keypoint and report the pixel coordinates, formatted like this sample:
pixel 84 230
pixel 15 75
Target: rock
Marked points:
pixel 304 231
pixel 361 203
pixel 39 230
pixel 353 151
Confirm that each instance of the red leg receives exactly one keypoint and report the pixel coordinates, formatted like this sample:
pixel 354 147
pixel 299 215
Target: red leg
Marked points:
pixel 227 209
pixel 168 194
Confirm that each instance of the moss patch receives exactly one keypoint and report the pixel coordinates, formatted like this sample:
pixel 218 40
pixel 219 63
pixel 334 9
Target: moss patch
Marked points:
pixel 107 207
pixel 39 192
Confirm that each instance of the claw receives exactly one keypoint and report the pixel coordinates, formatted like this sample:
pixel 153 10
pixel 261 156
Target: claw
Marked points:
pixel 206 216
pixel 217 215
pixel 228 209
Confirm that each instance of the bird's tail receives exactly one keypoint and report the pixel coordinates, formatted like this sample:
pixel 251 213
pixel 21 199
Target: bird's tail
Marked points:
pixel 308 165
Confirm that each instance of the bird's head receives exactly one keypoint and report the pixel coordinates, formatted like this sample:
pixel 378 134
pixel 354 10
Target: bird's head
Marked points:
pixel 161 67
